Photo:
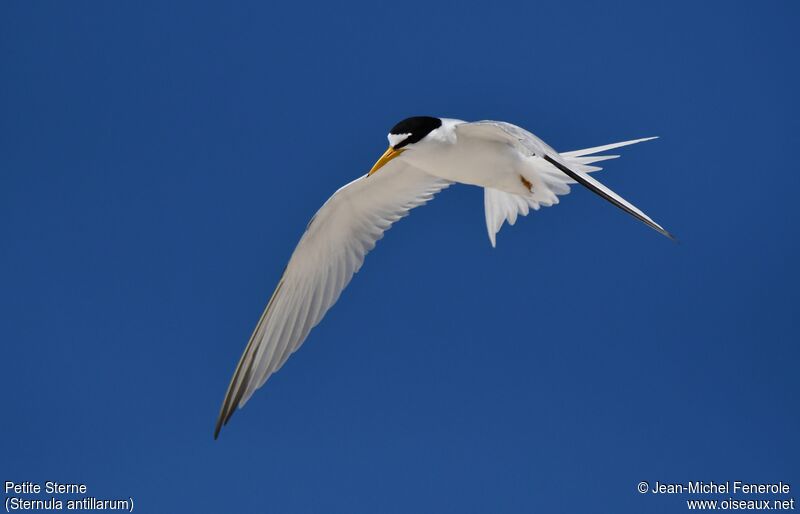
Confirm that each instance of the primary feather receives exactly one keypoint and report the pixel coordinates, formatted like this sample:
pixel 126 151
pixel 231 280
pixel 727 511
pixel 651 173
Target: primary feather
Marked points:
pixel 330 251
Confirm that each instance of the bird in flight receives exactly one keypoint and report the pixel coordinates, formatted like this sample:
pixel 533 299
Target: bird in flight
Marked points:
pixel 517 171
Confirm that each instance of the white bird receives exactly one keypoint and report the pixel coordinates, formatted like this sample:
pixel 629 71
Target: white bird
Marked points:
pixel 517 170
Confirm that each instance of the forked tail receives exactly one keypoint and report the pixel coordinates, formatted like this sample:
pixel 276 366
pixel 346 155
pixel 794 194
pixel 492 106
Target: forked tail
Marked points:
pixel 565 168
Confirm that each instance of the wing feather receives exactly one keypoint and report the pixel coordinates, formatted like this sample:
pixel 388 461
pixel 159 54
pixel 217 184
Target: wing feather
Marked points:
pixel 330 251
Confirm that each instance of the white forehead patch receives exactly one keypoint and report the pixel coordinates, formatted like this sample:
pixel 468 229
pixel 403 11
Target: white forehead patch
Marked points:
pixel 396 139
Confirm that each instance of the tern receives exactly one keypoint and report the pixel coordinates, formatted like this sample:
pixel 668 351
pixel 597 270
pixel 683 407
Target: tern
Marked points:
pixel 517 171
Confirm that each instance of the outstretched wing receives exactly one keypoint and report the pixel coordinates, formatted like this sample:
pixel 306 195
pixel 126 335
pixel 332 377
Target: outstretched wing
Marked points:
pixel 331 250
pixel 560 168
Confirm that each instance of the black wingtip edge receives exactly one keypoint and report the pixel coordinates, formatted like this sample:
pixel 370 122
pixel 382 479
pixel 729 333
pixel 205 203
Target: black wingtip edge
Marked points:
pixel 577 178
pixel 222 420
pixel 666 233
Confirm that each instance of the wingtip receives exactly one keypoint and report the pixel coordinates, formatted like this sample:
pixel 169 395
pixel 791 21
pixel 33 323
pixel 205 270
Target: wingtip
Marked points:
pixel 217 428
pixel 664 232
pixel 222 419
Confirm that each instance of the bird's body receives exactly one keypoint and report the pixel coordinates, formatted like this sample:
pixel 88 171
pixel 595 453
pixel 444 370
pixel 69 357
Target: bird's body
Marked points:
pixel 517 170
pixel 461 156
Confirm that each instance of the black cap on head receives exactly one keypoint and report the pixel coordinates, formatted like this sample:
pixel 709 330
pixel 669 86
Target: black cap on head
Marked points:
pixel 416 128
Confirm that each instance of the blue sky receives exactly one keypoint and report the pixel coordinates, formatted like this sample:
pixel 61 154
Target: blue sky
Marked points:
pixel 159 161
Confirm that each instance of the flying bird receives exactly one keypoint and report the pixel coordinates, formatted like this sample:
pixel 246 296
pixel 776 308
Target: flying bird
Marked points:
pixel 517 171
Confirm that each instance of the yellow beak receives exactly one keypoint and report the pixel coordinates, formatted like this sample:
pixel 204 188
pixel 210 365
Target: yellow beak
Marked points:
pixel 387 156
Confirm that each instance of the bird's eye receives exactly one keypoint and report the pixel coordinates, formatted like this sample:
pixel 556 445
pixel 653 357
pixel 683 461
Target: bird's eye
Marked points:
pixel 412 130
pixel 396 139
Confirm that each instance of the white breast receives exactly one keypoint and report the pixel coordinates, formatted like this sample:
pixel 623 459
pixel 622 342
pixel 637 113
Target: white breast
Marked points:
pixel 473 161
